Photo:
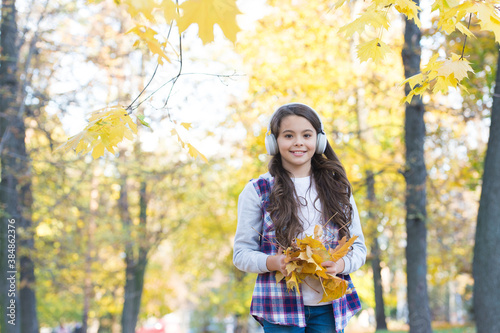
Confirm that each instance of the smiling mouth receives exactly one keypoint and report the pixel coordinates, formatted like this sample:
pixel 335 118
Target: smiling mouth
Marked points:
pixel 298 153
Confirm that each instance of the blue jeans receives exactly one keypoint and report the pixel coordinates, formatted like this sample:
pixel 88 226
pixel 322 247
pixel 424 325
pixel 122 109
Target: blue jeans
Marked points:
pixel 319 319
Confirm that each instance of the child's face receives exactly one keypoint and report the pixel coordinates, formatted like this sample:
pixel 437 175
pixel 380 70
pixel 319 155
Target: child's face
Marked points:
pixel 297 145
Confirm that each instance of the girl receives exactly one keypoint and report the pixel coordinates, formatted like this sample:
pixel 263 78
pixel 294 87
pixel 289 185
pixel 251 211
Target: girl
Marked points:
pixel 306 185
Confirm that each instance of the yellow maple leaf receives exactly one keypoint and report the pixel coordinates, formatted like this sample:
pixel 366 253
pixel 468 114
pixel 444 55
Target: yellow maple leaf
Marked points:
pixel 408 98
pixel 342 248
pixel 193 152
pixel 456 66
pixel 305 260
pixel 107 127
pixel 422 88
pixel 292 282
pixel 374 49
pixel 438 76
pixel 98 151
pixel 308 268
pixel 414 80
pixel 207 13
pixel 371 17
pixel 432 64
pixel 186 125
pixel 410 9
pixel 463 29
pixel 442 83
pixel 488 17
pixel 448 18
pixel 169 10
pixel 333 288
pixel 137 7
pixel 308 241
pixel 148 35
pixel 318 232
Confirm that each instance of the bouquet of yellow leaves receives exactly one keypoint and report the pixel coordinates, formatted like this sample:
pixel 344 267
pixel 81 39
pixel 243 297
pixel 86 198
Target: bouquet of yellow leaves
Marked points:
pixel 305 258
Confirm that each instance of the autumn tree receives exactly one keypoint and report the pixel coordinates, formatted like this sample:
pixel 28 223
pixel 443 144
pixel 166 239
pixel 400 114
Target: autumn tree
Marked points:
pixel 455 155
pixel 147 218
pixel 112 124
pixel 15 191
pixel 486 251
pixel 437 76
pixel 136 250
pixel 140 245
pixel 220 289
pixel 366 139
pixel 415 174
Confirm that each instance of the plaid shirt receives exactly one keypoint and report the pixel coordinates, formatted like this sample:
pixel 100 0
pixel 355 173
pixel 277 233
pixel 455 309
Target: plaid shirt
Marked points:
pixel 272 301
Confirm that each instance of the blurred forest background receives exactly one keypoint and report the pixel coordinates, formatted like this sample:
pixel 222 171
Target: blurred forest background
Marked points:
pixel 143 238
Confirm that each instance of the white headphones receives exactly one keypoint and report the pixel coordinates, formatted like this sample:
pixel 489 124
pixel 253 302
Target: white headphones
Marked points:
pixel 272 144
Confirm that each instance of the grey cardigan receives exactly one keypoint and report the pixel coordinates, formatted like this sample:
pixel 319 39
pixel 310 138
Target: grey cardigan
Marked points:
pixel 246 255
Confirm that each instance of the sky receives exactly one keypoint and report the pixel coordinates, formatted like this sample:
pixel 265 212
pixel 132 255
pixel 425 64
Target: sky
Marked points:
pixel 199 97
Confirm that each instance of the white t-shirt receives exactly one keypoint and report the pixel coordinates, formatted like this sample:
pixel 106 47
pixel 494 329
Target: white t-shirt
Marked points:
pixel 310 215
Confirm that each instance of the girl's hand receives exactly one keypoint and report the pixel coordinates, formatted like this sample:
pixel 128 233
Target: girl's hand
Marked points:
pixel 334 268
pixel 277 263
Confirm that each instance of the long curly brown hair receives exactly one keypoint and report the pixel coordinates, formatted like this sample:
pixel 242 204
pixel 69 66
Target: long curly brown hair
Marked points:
pixel 333 187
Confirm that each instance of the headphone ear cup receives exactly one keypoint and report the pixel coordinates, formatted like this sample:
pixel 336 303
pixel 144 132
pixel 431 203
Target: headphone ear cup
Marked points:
pixel 271 144
pixel 321 143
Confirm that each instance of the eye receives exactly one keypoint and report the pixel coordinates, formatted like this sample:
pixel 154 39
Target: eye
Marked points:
pixel 288 136
pixel 307 135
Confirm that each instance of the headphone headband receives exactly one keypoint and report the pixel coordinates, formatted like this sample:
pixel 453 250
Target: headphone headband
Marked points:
pixel 288 104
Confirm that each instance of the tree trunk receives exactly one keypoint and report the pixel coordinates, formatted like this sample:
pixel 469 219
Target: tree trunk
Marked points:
pixel 375 257
pixel 486 263
pixel 375 251
pixel 377 284
pixel 415 175
pixel 15 190
pixel 240 327
pixel 89 236
pixel 136 252
pixel 365 136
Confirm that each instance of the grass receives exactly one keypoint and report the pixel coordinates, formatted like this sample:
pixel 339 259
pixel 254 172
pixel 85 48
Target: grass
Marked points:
pixel 467 329
pixel 436 328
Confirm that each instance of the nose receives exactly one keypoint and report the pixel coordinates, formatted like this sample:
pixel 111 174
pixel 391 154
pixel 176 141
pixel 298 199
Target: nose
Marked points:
pixel 298 142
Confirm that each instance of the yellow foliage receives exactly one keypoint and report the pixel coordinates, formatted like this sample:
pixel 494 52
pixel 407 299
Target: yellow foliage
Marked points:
pixel 148 35
pixel 207 13
pixel 374 49
pixel 107 127
pixel 410 9
pixel 439 75
pixel 488 17
pixel 463 29
pixel 137 7
pixel 373 17
pixel 192 151
pixel 204 13
pixel 456 66
pixel 170 10
pixel 451 14
pixel 305 260
pixel 414 80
